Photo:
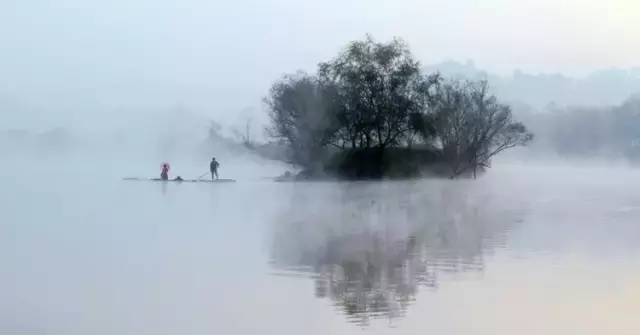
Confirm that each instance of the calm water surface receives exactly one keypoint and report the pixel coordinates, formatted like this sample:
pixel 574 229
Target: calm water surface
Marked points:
pixel 520 251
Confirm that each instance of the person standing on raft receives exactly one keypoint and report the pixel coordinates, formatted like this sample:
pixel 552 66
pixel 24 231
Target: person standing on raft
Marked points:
pixel 164 175
pixel 213 167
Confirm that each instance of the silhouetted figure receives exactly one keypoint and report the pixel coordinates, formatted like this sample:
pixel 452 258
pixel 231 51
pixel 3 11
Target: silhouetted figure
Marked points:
pixel 213 166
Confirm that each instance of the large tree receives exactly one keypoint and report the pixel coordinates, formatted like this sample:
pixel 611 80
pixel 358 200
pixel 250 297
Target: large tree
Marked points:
pixel 381 93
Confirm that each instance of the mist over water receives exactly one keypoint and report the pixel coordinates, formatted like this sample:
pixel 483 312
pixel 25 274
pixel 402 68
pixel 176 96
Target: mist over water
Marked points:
pixel 525 249
pixel 93 92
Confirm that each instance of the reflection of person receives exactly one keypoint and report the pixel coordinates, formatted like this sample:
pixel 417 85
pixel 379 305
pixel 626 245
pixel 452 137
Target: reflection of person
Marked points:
pixel 164 175
pixel 213 166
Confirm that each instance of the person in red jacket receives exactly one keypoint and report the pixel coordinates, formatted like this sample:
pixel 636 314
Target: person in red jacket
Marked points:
pixel 164 175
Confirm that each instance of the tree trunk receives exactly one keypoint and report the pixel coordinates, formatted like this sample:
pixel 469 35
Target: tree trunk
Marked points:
pixel 475 167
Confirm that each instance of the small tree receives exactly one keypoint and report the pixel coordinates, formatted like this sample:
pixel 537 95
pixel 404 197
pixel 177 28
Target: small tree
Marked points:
pixel 244 136
pixel 472 126
pixel 301 112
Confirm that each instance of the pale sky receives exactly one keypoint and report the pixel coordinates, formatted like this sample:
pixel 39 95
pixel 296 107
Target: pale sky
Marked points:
pixel 77 55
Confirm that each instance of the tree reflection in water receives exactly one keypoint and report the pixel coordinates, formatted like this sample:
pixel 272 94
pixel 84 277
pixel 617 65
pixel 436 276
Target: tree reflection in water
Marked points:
pixel 369 247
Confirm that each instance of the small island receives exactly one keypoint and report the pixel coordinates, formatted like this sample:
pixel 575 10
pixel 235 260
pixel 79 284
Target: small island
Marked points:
pixel 371 113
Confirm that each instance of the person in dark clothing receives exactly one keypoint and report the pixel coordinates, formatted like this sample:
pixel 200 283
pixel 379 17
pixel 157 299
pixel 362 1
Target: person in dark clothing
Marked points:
pixel 213 167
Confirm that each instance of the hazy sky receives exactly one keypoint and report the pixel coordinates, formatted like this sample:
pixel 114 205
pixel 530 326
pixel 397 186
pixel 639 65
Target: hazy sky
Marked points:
pixel 69 56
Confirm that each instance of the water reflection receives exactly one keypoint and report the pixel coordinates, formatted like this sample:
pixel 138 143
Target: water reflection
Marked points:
pixel 370 247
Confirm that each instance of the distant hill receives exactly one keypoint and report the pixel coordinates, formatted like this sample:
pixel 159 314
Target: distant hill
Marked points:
pixel 605 87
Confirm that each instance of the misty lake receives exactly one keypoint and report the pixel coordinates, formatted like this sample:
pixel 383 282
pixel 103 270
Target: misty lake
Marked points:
pixel 520 251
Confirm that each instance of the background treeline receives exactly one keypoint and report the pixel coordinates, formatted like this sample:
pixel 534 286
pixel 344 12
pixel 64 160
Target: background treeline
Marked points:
pixel 585 132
